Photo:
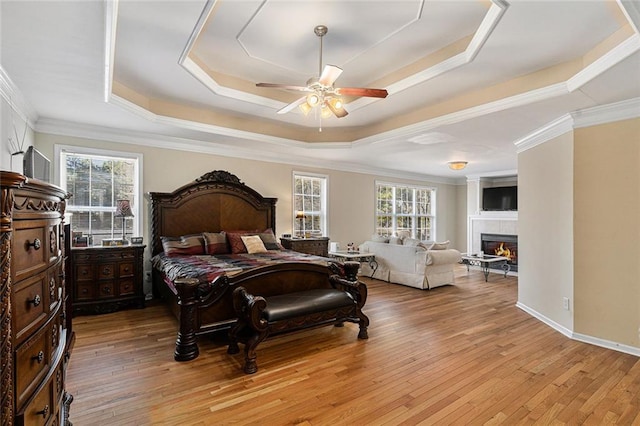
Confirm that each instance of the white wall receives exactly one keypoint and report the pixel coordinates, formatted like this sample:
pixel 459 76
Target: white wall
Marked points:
pixel 545 222
pixel 12 122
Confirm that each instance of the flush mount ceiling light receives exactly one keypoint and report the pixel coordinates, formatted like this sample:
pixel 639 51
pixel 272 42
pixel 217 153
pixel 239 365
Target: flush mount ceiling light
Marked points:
pixel 322 94
pixel 457 165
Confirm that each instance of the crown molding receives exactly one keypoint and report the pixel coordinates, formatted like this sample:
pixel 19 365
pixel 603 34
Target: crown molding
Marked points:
pixel 77 130
pixel 618 111
pixel 16 101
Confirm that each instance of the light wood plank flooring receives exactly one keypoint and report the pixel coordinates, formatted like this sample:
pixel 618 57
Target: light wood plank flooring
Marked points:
pixel 460 354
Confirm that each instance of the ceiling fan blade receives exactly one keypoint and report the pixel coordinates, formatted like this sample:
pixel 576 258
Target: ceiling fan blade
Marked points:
pixel 329 74
pixel 338 112
pixel 362 91
pixel 284 87
pixel 292 105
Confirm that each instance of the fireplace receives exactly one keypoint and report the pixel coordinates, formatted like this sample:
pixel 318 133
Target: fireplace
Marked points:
pixel 501 245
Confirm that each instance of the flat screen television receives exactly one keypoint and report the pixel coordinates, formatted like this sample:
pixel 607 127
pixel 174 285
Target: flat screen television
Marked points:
pixel 500 198
pixel 36 165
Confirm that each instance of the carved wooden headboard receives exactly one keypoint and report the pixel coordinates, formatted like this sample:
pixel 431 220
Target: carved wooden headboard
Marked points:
pixel 217 201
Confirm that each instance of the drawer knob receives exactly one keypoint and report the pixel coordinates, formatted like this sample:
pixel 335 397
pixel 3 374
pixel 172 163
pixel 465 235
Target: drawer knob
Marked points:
pixel 36 300
pixel 39 357
pixel 106 290
pixel 44 412
pixel 35 244
pixel 106 271
pixel 126 269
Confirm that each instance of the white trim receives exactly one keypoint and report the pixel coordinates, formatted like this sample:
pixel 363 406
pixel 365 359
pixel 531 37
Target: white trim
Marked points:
pixel 550 131
pixel 64 128
pixel 325 199
pixel 618 111
pixel 16 101
pixel 605 62
pixel 110 31
pixel 631 10
pixel 607 344
pixel 138 211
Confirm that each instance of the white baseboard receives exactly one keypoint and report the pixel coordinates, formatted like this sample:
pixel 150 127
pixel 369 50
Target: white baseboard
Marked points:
pixel 631 350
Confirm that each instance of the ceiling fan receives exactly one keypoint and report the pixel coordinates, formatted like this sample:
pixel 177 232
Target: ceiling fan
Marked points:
pixel 321 92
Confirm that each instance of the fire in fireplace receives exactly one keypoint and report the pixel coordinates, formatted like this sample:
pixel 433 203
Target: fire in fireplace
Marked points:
pixel 501 245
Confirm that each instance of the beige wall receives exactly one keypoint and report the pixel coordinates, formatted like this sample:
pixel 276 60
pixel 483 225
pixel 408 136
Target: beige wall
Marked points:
pixel 545 222
pixel 351 195
pixel 607 231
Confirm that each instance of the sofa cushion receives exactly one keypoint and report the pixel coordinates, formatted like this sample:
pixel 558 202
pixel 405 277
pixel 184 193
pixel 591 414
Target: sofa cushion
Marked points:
pixel 440 246
pixel 410 242
pixel 379 238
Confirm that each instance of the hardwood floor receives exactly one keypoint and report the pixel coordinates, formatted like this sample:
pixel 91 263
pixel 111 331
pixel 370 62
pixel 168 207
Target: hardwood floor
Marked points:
pixel 460 354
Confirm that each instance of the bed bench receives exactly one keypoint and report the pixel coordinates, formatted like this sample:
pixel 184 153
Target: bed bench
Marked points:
pixel 260 317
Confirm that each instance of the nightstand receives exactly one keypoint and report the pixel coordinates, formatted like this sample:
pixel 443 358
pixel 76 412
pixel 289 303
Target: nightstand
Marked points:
pixel 318 246
pixel 106 279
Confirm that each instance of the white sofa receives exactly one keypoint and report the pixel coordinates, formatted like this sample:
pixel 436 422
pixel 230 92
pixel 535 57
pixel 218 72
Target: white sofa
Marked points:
pixel 411 265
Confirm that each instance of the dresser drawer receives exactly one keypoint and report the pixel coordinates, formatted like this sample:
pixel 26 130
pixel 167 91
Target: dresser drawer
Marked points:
pixel 106 289
pixel 84 291
pixel 127 287
pixel 29 250
pixel 33 361
pixel 106 271
pixel 44 408
pixel 83 272
pixel 126 269
pixel 35 246
pixel 30 304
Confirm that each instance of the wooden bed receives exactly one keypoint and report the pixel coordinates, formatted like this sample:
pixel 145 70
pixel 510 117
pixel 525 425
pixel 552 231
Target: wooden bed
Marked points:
pixel 219 201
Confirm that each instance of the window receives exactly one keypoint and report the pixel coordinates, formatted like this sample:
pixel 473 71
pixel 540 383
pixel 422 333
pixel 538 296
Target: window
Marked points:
pixel 97 179
pixel 405 208
pixel 309 204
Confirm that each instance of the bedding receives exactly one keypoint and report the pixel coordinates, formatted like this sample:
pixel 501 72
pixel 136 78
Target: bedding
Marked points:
pixel 207 268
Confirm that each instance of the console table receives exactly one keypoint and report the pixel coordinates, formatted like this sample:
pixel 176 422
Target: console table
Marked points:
pixel 485 262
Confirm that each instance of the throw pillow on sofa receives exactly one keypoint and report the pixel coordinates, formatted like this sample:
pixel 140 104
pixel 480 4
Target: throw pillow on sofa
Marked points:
pixel 440 246
pixel 379 238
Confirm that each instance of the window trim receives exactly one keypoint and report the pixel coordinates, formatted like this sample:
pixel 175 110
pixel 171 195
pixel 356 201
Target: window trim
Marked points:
pixel 138 216
pixel 324 220
pixel 394 215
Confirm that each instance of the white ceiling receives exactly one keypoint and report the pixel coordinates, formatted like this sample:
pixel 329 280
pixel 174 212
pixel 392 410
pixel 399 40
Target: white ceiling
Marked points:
pixel 466 78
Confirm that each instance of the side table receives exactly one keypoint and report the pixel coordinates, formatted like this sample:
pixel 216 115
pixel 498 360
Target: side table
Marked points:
pixel 106 279
pixel 356 256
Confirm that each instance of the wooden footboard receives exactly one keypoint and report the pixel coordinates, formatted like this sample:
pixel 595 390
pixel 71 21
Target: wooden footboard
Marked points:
pixel 204 308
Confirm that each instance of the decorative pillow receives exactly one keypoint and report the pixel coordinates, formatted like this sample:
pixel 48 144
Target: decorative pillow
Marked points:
pixel 215 243
pixel 183 246
pixel 395 240
pixel 235 242
pixel 404 234
pixel 253 243
pixel 440 246
pixel 269 240
pixel 410 242
pixel 379 238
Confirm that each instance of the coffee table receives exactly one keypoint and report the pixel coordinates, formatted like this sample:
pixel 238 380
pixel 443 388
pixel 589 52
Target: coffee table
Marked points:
pixel 356 256
pixel 485 262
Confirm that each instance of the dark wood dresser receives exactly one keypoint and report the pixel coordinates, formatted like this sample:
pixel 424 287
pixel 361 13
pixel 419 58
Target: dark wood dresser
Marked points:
pixel 36 336
pixel 318 246
pixel 106 279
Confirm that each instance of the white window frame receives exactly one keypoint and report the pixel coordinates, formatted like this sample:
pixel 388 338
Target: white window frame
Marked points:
pixel 136 206
pixel 394 215
pixel 324 221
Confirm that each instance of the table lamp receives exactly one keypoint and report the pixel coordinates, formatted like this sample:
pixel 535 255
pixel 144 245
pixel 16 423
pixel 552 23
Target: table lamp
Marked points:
pixel 300 217
pixel 123 210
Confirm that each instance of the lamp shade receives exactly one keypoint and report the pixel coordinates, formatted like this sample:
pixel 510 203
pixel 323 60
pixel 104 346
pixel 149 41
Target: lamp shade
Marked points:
pixel 123 209
pixel 299 215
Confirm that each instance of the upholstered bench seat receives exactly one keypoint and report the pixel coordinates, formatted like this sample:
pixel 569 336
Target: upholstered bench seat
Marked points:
pixel 259 317
pixel 303 303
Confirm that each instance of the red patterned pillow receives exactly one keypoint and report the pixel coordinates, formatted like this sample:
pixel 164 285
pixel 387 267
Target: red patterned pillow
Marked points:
pixel 183 246
pixel 215 243
pixel 235 242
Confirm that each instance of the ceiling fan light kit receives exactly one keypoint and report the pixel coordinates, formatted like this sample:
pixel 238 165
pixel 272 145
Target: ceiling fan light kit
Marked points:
pixel 321 91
